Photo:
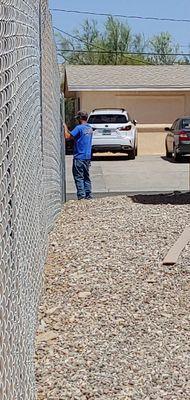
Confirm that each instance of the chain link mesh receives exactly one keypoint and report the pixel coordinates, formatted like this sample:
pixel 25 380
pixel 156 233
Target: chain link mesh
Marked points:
pixel 31 176
pixel 52 143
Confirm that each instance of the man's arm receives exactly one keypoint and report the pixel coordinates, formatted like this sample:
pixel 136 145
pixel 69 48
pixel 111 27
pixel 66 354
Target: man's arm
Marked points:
pixel 67 133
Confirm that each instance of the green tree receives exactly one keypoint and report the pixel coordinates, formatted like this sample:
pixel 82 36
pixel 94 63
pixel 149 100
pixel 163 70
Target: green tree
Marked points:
pixel 96 47
pixel 186 58
pixel 139 43
pixel 165 49
pixel 116 39
pixel 116 45
pixel 77 48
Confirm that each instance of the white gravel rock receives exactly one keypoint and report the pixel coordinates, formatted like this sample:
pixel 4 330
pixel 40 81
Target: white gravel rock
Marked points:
pixel 120 318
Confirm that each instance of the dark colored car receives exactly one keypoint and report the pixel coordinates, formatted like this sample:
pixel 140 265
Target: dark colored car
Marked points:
pixel 178 138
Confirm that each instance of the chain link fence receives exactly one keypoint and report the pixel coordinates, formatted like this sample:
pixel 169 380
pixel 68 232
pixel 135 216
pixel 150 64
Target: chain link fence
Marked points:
pixel 31 181
pixel 51 143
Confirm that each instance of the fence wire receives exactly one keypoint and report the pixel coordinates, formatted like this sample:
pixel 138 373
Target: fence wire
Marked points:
pixel 31 181
pixel 52 142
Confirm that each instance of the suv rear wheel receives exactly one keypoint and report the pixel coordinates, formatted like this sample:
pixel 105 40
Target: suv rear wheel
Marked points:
pixel 132 154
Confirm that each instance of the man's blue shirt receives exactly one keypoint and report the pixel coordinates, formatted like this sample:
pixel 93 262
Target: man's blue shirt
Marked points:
pixel 83 141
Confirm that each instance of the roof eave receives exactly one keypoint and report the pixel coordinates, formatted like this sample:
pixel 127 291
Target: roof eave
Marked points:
pixel 73 88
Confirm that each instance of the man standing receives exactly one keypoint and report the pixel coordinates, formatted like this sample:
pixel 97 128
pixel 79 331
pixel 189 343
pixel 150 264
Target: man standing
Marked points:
pixel 82 135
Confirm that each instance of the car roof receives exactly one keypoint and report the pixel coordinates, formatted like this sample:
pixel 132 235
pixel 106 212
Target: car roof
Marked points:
pixel 181 118
pixel 108 111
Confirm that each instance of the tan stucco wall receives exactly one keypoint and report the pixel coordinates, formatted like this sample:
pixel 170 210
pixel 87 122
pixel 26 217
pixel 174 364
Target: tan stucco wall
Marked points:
pixel 147 107
pixel 187 104
pixel 151 143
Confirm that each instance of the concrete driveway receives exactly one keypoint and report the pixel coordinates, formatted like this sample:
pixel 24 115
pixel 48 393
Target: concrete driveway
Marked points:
pixel 117 174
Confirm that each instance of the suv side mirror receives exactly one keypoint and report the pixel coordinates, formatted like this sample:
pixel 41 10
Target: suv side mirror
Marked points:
pixel 134 121
pixel 167 129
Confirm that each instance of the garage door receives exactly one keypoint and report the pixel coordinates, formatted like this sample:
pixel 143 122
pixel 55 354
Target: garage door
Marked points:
pixel 153 109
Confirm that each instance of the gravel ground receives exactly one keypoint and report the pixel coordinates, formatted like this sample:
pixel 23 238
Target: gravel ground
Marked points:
pixel 114 322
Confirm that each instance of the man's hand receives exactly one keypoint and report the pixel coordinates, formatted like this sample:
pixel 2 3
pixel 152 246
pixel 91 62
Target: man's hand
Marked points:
pixel 66 132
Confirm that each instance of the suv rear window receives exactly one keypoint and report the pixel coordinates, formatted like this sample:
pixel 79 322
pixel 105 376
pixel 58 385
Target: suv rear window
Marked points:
pixel 107 119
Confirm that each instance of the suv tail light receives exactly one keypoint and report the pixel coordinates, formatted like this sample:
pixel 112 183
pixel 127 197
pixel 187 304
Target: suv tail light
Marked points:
pixel 125 128
pixel 183 136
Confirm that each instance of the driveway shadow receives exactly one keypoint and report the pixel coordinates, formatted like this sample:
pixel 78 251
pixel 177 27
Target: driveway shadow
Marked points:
pixel 184 160
pixel 162 198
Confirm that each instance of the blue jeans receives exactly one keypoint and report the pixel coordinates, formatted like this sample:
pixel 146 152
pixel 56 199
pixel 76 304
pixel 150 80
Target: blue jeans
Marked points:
pixel 82 178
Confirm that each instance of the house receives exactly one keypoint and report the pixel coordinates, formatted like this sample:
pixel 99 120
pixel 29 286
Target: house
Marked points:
pixel 154 95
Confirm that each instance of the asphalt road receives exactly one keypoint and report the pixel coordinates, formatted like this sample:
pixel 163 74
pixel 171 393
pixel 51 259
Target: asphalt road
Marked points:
pixel 146 174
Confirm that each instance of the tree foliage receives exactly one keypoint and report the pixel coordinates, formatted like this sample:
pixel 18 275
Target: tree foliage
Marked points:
pixel 116 45
pixel 164 48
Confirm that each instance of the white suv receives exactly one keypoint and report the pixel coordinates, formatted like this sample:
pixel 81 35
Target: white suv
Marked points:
pixel 114 131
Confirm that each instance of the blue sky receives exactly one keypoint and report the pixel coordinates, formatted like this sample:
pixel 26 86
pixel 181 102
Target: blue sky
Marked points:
pixel 158 8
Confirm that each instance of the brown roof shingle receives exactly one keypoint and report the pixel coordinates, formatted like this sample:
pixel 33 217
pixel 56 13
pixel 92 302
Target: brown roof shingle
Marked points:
pixel 128 77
